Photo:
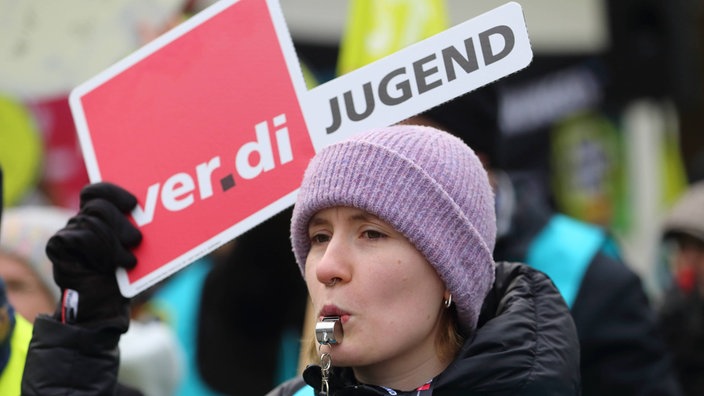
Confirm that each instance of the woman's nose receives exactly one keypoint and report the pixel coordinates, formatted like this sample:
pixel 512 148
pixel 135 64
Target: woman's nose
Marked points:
pixel 334 265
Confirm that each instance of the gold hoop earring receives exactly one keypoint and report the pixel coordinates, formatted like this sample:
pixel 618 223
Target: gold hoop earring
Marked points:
pixel 448 302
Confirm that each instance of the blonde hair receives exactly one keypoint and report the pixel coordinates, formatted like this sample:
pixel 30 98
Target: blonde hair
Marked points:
pixel 449 341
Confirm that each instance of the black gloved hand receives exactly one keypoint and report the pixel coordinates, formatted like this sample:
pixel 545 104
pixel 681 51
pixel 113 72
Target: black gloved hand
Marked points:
pixel 86 253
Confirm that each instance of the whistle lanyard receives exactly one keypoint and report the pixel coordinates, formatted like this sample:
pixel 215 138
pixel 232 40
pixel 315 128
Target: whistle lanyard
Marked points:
pixel 329 332
pixel 424 390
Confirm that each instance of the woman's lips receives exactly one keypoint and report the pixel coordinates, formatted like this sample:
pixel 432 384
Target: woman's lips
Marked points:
pixel 333 310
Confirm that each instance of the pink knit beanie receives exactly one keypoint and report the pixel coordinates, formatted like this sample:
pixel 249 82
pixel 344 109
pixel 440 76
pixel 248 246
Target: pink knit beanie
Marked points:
pixel 428 185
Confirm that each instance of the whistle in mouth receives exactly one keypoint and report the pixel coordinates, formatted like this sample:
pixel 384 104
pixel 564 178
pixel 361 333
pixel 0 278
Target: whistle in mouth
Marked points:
pixel 329 330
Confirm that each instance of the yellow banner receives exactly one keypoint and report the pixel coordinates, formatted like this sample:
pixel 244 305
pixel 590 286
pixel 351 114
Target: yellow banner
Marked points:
pixel 376 28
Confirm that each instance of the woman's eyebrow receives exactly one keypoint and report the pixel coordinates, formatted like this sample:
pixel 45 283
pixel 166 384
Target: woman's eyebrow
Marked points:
pixel 316 221
pixel 363 216
pixel 359 215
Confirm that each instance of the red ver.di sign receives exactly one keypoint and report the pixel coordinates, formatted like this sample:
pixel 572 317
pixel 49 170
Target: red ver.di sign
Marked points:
pixel 211 125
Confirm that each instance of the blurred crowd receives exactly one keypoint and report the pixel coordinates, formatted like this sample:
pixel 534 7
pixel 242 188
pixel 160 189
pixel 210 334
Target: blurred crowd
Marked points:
pixel 597 160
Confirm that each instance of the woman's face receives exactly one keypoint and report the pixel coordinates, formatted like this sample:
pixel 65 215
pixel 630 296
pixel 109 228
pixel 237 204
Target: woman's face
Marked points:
pixel 689 254
pixel 25 291
pixel 387 295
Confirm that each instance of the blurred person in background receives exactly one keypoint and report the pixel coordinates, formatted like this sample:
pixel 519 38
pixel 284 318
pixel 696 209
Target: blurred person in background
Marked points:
pixel 23 264
pixel 622 352
pixel 681 314
pixel 15 333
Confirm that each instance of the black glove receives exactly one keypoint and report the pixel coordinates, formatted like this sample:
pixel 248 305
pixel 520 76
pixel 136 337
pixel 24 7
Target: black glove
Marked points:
pixel 86 253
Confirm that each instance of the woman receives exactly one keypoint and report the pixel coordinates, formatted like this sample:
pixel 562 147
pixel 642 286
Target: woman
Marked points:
pixel 393 231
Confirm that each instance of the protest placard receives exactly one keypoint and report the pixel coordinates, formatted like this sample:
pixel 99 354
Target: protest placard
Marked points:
pixel 211 125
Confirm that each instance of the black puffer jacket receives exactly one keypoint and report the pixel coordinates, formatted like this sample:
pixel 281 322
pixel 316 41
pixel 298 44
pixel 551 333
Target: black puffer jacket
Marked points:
pixel 526 344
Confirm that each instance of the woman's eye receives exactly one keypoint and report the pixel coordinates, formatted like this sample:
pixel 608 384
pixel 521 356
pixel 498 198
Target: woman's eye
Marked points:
pixel 319 238
pixel 372 234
